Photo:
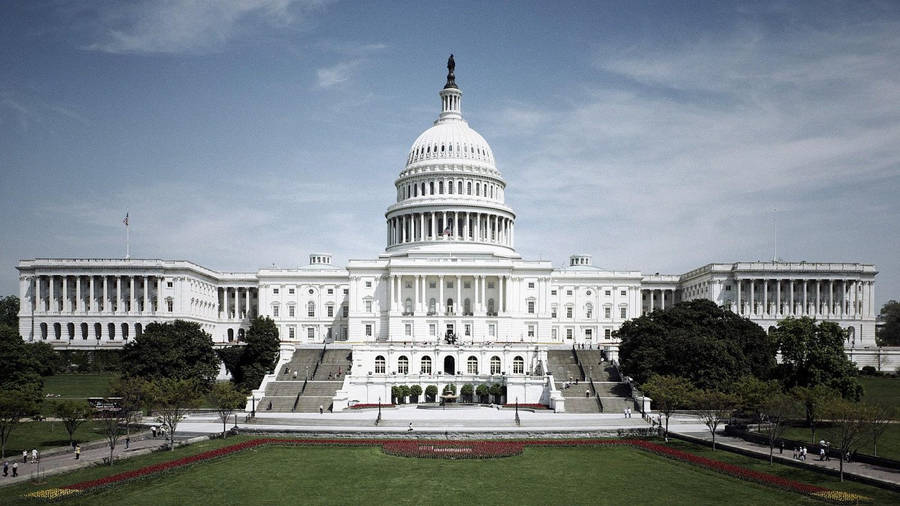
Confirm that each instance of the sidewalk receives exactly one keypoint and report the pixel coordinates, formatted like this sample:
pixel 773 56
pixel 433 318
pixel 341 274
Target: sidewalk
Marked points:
pixel 62 459
pixel 890 477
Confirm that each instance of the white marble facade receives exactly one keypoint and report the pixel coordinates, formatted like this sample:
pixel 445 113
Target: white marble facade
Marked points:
pixel 449 265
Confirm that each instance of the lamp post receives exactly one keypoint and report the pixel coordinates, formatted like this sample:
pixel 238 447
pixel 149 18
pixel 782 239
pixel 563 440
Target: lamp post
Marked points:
pixel 518 422
pixel 378 420
pixel 307 373
pixel 253 410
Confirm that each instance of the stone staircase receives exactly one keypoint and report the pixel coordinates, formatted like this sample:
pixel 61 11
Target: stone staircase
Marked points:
pixel 286 394
pixel 612 393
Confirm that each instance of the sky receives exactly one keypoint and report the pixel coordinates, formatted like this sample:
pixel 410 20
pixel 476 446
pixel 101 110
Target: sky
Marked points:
pixel 655 136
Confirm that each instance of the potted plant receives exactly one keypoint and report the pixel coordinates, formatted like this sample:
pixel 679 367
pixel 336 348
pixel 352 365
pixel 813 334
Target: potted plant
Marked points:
pixel 431 392
pixel 466 391
pixel 414 392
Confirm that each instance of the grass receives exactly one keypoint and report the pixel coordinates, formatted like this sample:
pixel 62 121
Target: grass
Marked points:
pixel 79 386
pixel 43 435
pixel 322 475
pixel 888 443
pixel 877 390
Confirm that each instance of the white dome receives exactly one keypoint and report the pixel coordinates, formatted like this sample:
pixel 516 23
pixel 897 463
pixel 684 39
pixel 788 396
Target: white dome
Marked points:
pixel 451 141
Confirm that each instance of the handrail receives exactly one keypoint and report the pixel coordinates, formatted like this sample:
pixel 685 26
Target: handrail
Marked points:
pixel 578 361
pixel 596 395
pixel 297 399
pixel 303 388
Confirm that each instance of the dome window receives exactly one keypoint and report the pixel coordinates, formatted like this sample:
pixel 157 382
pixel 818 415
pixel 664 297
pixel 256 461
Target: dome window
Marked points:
pixel 442 148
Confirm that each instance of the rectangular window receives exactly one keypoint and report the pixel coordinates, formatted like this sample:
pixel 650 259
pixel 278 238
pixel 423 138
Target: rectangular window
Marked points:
pixel 490 284
pixel 368 306
pixel 569 312
pixel 310 310
pixel 530 307
pixel 553 333
pixel 169 284
pixel 467 285
pixel 623 293
pixel 330 311
pixel 368 284
pixel 607 312
pixel 368 330
pixel 449 284
pixel 467 329
pixel 275 311
pixel 432 284
pixel 291 332
pixel 623 312
pixel 552 292
pixel 311 333
pixel 290 291
pixel 170 305
pixel 331 291
pixel 531 284
pixel 346 310
pixel 607 333
pixel 588 314
pixel 432 329
pixel 531 331
pixel 607 293
pixel 553 312
pixel 727 288
pixel 568 333
pixel 407 329
pixel 275 291
pixel 569 292
pixel 588 333
pixel 492 330
pixel 346 291
pixel 291 311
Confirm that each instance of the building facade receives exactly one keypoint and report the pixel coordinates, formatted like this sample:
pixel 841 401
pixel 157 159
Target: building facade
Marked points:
pixel 449 273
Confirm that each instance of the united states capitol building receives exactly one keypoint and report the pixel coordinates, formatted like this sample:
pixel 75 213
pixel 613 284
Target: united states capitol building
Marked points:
pixel 448 298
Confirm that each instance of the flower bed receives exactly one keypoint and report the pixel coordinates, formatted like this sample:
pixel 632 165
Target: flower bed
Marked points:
pixel 455 450
pixel 364 406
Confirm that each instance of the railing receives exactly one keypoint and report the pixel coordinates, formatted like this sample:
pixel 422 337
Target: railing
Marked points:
pixel 578 361
pixel 302 389
pixel 297 399
pixel 596 395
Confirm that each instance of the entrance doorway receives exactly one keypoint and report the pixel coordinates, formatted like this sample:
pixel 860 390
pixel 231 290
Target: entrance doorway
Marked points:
pixel 449 365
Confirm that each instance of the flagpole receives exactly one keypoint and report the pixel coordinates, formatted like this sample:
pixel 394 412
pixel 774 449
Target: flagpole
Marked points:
pixel 127 238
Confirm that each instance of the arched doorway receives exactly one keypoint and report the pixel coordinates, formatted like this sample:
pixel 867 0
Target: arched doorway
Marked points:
pixel 449 365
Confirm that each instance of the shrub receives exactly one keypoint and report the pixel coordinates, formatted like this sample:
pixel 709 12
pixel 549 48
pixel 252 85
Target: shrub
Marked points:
pixel 431 392
pixel 414 392
pixel 396 394
pixel 483 391
pixel 449 389
pixel 404 393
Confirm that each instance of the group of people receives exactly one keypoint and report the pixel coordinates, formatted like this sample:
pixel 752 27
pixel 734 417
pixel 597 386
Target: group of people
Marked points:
pixel 161 431
pixel 627 412
pixel 35 458
pixel 800 452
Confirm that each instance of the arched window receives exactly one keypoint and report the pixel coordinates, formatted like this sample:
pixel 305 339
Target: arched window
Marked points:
pixel 98 330
pixel 230 335
pixel 84 330
pixel 467 307
pixel 407 306
pixel 403 364
pixel 491 307
pixel 311 309
pixel 478 189
pixel 469 187
pixel 111 328
pixel 43 331
pixel 449 305
pixel 459 187
pixel 518 365
pixel 589 310
pixel 240 334
pixel 432 306
pixel 379 364
pixel 472 365
pixel 57 330
pixel 426 365
pixel 71 330
pixel 495 365
pixel 431 187
pixel 138 330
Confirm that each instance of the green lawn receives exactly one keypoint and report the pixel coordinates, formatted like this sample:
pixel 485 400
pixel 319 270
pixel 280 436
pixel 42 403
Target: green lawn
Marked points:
pixel 42 435
pixel 888 443
pixel 78 386
pixel 598 475
pixel 884 391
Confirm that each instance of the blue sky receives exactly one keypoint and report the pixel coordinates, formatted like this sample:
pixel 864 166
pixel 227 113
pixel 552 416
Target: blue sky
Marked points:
pixel 657 137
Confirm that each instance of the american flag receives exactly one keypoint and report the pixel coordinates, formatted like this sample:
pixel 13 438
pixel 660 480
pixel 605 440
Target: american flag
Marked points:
pixel 125 221
pixel 446 231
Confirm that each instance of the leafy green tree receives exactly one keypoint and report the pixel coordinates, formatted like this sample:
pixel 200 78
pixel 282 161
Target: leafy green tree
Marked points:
pixel 697 340
pixel 179 349
pixel 73 414
pixel 851 423
pixel 889 334
pixel 248 363
pixel 881 418
pixel 483 391
pixel 449 389
pixel 414 392
pixel 172 398
pixel 776 409
pixel 132 398
pixel 814 400
pixel 497 390
pixel 21 370
pixel 227 399
pixel 9 311
pixel 396 395
pixel 668 393
pixel 404 393
pixel 431 392
pixel 713 408
pixel 753 393
pixel 813 354
pixel 15 404
pixel 466 391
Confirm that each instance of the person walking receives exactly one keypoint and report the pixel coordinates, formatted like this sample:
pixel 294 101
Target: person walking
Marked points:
pixel 5 468
pixel 153 430
pixel 321 409
pixel 77 452
pixel 127 441
pixel 781 448
pixel 410 427
pixel 24 456
pixel 34 456
pixel 15 469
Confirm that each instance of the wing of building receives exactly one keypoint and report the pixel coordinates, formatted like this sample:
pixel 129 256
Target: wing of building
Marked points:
pixel 449 277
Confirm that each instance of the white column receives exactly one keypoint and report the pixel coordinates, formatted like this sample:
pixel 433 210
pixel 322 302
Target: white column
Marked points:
pixel 440 302
pixel 652 294
pixel 146 301
pixel 65 293
pixel 483 292
pixel 458 307
pixel 740 303
pixel 92 300
pixel 830 298
pixel 805 311
pixel 107 302
pixel 247 302
pixel 237 307
pixel 871 299
pixel 131 299
pixel 501 304
pixel 77 305
pixel 753 297
pixel 421 226
pixel 38 302
pixel 766 298
pixel 415 307
pixel 791 312
pixel 118 293
pixel 818 310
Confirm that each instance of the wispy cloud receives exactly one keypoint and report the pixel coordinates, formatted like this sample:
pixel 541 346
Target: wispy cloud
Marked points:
pixel 342 71
pixel 190 26
pixel 336 74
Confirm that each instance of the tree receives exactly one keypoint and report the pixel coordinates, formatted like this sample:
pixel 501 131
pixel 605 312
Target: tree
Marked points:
pixel 21 370
pixel 449 388
pixel 414 392
pixel 179 349
pixel 404 393
pixel 851 422
pixel 172 398
pixel 814 400
pixel 776 409
pixel 131 395
pixel 227 399
pixel 466 391
pixel 14 405
pixel 9 311
pixel 431 392
pixel 881 418
pixel 668 393
pixel 889 334
pixel 753 394
pixel 697 340
pixel 713 407
pixel 483 391
pixel 813 354
pixel 497 391
pixel 128 395
pixel 396 396
pixel 248 363
pixel 73 414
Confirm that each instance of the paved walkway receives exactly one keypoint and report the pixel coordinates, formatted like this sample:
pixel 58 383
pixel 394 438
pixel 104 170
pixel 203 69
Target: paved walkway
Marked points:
pixel 856 468
pixel 62 459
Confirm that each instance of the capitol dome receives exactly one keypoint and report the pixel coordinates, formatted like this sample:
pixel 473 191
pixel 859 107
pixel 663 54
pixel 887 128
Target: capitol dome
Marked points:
pixel 450 195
